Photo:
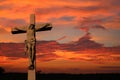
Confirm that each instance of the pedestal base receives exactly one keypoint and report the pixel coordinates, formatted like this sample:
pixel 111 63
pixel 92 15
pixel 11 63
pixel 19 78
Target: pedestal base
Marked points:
pixel 32 74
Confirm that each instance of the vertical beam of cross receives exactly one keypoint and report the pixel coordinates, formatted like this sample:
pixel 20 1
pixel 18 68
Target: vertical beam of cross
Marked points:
pixel 32 19
pixel 30 43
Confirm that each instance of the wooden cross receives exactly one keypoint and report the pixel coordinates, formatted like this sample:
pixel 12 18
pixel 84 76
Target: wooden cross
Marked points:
pixel 30 43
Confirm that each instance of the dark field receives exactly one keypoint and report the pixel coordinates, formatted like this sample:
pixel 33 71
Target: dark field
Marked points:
pixel 23 76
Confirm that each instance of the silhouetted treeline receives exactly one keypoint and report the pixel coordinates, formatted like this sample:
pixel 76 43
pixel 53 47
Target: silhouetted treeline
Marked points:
pixel 2 70
pixel 23 76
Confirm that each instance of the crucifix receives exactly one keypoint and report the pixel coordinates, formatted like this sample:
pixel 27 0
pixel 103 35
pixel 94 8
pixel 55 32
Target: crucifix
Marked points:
pixel 30 42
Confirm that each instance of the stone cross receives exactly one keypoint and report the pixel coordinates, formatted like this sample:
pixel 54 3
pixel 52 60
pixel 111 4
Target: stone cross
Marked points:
pixel 30 43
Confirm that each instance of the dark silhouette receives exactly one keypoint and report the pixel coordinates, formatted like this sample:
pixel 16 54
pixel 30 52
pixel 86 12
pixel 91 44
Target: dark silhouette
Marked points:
pixel 2 70
pixel 41 76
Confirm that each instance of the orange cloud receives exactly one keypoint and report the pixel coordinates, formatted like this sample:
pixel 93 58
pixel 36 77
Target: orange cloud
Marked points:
pixel 56 9
pixel 52 50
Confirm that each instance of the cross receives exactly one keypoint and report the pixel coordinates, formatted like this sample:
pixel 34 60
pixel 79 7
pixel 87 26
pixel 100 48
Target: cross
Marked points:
pixel 30 43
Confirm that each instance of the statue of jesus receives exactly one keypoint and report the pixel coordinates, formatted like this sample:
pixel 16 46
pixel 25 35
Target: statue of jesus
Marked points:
pixel 30 45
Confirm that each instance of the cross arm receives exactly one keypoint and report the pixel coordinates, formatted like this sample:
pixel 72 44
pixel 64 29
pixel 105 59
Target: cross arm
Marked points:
pixel 18 30
pixel 43 27
pixel 38 27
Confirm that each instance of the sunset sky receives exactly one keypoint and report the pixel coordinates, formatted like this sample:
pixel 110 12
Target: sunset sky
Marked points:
pixel 85 37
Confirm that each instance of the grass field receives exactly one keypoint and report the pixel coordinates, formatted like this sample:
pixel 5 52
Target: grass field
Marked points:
pixel 23 76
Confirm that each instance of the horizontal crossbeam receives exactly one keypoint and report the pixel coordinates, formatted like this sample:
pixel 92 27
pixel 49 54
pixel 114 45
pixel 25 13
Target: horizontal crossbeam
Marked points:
pixel 38 27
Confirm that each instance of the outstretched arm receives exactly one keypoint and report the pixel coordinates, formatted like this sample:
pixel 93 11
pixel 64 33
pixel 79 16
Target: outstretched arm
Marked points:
pixel 43 27
pixel 17 30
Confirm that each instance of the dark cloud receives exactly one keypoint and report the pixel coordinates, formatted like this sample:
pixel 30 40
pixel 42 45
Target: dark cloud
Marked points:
pixel 59 9
pixel 63 18
pixel 67 18
pixel 83 43
pixel 90 8
pixel 10 49
pixel 6 6
pixel 47 46
pixel 11 22
pixel 87 23
pixel 77 1
pixel 46 50
pixel 110 67
pixel 111 3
